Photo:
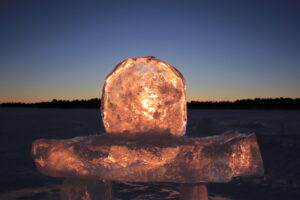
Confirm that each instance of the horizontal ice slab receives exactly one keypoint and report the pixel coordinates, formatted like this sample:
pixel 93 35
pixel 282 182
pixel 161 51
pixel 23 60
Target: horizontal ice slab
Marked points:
pixel 150 157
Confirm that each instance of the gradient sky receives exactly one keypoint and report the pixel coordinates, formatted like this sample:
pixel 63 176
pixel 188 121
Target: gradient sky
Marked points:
pixel 226 50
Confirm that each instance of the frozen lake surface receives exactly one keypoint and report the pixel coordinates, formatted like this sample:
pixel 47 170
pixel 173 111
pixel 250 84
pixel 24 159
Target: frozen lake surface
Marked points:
pixel 277 131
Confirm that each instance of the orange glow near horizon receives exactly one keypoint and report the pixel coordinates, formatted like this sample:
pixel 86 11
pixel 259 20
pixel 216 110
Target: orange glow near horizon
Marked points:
pixel 189 99
pixel 194 93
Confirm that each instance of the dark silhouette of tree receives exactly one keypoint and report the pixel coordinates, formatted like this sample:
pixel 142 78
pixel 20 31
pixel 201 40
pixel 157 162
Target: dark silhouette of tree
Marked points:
pixel 257 103
pixel 91 103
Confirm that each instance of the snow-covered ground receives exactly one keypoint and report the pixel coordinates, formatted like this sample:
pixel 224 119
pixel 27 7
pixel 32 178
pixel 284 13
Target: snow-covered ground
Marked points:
pixel 277 131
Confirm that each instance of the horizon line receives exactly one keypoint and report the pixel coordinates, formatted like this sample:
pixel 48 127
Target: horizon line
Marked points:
pixel 188 101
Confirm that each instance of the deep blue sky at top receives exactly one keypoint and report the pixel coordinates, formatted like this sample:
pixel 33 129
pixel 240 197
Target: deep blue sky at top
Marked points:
pixel 226 50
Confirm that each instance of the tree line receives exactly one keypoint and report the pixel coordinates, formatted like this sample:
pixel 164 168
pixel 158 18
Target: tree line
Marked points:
pixel 257 103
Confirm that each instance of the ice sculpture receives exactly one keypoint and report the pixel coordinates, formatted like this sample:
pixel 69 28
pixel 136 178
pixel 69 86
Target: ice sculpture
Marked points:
pixel 144 113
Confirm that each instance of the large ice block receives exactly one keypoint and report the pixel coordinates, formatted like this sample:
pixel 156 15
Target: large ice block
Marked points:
pixel 155 157
pixel 143 95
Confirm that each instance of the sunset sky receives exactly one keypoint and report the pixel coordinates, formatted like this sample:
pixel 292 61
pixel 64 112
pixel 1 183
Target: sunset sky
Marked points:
pixel 226 50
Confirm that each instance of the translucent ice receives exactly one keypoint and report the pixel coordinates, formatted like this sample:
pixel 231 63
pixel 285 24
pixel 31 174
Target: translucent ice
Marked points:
pixel 144 95
pixel 150 157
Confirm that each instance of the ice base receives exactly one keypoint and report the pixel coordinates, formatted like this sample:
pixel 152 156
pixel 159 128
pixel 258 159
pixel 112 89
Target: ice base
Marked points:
pixel 150 157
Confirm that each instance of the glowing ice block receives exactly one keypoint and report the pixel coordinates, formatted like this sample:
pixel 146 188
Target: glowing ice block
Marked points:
pixel 150 157
pixel 144 114
pixel 144 95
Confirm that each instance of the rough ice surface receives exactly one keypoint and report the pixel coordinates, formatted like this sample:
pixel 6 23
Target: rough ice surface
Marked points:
pixel 152 157
pixel 144 95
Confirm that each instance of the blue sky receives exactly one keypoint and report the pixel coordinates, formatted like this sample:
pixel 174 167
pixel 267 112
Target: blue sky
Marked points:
pixel 226 50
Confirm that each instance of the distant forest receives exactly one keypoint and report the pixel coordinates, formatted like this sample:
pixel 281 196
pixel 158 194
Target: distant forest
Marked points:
pixel 257 103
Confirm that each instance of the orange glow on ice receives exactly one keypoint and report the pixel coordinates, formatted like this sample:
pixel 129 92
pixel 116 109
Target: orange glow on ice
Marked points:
pixel 144 95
